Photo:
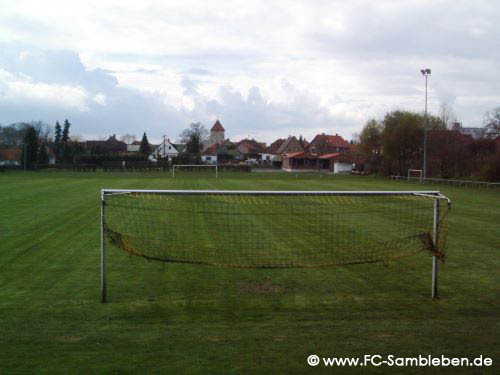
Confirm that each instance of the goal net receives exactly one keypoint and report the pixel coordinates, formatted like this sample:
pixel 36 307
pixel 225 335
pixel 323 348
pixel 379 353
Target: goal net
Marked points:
pixel 271 229
pixel 189 169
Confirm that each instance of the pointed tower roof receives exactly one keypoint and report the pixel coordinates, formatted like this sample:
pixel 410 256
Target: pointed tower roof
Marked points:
pixel 217 127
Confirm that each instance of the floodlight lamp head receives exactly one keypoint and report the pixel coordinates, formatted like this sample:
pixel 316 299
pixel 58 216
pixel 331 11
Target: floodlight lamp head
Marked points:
pixel 428 71
pixel 422 71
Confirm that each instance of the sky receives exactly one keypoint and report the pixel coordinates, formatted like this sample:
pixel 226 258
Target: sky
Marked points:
pixel 266 69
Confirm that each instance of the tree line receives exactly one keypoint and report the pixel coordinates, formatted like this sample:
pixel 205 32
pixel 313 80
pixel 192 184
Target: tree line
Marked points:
pixel 37 140
pixel 395 144
pixel 32 137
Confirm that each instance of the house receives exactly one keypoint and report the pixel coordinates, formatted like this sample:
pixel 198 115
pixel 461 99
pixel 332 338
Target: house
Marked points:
pixel 135 146
pixel 228 152
pixel 324 144
pixel 267 158
pixel 291 144
pixel 165 150
pixel 299 161
pixel 209 156
pixel 303 142
pixel 273 147
pixel 336 162
pixel 10 156
pixel 251 150
pixel 217 136
pixel 309 162
pixel 110 146
pixel 271 152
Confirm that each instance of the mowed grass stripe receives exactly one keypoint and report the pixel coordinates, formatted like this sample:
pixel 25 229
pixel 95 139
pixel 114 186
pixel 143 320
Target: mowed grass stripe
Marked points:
pixel 201 319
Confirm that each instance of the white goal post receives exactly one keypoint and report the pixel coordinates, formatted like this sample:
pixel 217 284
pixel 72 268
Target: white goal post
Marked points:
pixel 121 223
pixel 195 165
pixel 410 171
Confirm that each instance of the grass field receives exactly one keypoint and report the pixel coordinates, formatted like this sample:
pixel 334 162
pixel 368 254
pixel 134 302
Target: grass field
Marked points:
pixel 171 318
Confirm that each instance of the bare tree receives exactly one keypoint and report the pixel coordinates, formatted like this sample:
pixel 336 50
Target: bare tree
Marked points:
pixel 193 137
pixel 447 115
pixel 492 123
pixel 128 138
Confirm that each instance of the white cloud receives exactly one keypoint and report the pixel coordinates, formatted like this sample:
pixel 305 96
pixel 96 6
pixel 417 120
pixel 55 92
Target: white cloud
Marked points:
pixel 21 88
pixel 269 68
pixel 100 99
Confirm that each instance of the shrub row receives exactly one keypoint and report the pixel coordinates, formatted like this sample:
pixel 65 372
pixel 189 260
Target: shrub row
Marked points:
pixel 122 166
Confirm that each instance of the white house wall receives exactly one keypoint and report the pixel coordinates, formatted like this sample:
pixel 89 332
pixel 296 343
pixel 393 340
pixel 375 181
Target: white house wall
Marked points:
pixel 213 159
pixel 342 168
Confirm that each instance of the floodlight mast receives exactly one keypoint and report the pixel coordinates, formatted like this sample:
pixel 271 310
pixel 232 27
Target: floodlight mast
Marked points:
pixel 426 73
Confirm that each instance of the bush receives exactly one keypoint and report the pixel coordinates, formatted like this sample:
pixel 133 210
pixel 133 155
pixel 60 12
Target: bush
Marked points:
pixel 234 168
pixel 491 170
pixel 122 166
pixel 119 157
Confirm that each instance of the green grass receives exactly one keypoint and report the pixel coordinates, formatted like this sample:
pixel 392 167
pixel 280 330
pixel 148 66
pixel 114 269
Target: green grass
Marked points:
pixel 170 318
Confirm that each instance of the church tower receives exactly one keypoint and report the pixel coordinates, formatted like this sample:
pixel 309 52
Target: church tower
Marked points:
pixel 217 135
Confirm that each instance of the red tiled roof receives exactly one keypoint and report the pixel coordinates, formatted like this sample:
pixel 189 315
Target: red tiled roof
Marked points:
pixel 338 156
pixel 330 156
pixel 290 142
pixel 300 155
pixel 293 154
pixel 252 145
pixel 212 150
pixel 273 148
pixel 323 142
pixel 11 154
pixel 217 127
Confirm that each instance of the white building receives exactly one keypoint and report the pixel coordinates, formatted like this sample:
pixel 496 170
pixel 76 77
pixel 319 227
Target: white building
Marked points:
pixel 268 158
pixel 134 146
pixel 209 156
pixel 165 150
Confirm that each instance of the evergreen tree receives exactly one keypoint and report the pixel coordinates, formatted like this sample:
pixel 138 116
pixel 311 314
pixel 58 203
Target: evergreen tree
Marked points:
pixel 30 148
pixel 58 139
pixel 65 147
pixel 145 148
pixel 65 132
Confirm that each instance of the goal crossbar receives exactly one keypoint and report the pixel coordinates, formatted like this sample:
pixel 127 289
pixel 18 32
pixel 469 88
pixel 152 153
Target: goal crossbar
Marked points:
pixel 432 193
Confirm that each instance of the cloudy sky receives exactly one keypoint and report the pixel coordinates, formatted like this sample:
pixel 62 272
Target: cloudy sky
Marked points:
pixel 268 69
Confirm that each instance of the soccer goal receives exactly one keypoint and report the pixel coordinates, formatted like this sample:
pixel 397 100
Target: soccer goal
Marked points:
pixel 273 229
pixel 194 168
pixel 413 172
